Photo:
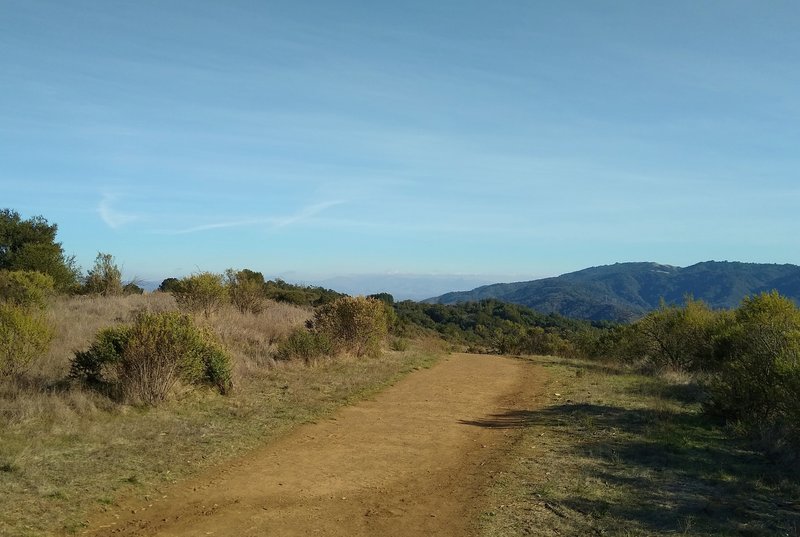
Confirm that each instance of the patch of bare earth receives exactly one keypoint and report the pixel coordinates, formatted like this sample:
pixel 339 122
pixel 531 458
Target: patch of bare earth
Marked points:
pixel 408 462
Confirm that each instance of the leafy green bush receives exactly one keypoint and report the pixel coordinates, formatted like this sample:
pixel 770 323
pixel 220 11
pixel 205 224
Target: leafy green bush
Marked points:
pixel 679 338
pixel 246 290
pixel 305 345
pixel 202 292
pixel 147 359
pixel 24 335
pixel 104 353
pixel 25 288
pixel 357 325
pixel 759 379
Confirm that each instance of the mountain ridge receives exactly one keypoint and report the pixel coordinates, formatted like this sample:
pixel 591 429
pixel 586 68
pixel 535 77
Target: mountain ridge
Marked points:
pixel 626 291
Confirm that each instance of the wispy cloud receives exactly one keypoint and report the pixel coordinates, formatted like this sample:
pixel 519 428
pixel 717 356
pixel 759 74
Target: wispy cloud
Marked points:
pixel 303 214
pixel 112 217
pixel 221 225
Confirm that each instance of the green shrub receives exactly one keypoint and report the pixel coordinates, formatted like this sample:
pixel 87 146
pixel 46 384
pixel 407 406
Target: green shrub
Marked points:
pixel 25 288
pixel 217 366
pixel 399 344
pixel 103 354
pixel 305 345
pixel 146 360
pixel 356 325
pixel 203 292
pixel 24 336
pixel 246 290
pixel 678 337
pixel 759 378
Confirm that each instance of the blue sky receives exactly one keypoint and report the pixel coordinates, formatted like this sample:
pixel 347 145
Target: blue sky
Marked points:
pixel 513 139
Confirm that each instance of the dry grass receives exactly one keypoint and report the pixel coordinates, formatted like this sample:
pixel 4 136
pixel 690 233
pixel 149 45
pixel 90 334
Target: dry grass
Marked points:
pixel 612 452
pixel 253 339
pixel 66 451
pixel 43 394
pixel 77 320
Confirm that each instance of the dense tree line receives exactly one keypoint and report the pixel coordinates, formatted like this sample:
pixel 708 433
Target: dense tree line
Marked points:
pixel 495 326
pixel 247 289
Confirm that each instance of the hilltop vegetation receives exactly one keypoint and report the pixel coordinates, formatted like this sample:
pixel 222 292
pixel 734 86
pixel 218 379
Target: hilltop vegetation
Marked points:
pixel 627 291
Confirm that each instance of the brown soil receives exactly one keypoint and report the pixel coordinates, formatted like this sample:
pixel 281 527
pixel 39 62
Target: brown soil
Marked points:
pixel 415 460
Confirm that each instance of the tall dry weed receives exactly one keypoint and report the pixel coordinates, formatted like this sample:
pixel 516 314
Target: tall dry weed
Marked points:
pixel 253 338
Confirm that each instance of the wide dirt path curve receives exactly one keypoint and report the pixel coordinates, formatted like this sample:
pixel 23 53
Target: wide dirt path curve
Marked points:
pixel 411 461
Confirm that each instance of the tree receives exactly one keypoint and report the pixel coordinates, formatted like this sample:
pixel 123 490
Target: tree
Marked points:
pixel 31 245
pixel 383 297
pixel 104 278
pixel 131 288
pixel 246 290
pixel 169 285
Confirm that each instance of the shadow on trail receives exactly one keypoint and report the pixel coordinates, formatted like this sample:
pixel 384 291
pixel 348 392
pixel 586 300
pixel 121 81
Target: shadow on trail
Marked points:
pixel 673 470
pixel 512 419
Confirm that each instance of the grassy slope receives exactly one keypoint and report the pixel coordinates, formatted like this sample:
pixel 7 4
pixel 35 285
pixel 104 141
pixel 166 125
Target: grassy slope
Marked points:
pixel 66 451
pixel 620 454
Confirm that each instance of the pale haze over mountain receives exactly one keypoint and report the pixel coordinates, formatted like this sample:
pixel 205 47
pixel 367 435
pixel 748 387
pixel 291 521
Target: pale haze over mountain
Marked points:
pixel 405 286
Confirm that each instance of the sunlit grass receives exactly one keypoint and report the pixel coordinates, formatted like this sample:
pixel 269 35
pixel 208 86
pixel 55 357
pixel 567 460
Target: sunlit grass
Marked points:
pixel 617 453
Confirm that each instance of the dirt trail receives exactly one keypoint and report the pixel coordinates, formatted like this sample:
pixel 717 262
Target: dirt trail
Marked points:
pixel 407 462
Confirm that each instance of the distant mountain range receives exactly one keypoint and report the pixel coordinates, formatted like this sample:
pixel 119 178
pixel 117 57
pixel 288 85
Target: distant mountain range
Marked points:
pixel 626 291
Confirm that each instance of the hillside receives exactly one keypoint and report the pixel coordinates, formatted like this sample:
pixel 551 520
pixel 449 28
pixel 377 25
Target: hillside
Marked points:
pixel 625 291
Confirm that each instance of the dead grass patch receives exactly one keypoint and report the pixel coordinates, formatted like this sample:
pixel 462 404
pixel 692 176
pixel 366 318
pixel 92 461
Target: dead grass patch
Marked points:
pixel 253 338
